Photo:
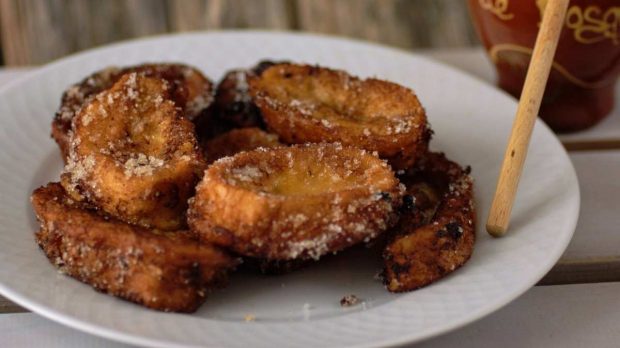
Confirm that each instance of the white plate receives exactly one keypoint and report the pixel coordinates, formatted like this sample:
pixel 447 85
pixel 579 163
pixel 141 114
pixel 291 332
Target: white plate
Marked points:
pixel 471 121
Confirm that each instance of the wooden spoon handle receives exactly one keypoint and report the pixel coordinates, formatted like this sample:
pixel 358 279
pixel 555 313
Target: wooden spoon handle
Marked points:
pixel 529 104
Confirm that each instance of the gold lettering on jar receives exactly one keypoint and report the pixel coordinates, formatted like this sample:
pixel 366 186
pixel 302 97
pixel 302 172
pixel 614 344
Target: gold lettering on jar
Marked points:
pixel 497 7
pixel 593 24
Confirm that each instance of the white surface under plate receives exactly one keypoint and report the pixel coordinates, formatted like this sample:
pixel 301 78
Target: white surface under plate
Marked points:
pixel 471 121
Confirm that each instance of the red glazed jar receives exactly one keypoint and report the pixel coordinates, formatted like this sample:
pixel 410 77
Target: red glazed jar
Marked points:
pixel 580 91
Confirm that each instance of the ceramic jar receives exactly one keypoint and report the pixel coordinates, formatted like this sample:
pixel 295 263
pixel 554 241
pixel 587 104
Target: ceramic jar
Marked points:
pixel 580 91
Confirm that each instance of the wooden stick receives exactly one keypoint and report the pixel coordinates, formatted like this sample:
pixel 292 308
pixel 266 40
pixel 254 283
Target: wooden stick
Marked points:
pixel 529 104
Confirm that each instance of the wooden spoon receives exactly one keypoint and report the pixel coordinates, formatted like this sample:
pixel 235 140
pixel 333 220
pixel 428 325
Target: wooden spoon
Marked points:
pixel 529 104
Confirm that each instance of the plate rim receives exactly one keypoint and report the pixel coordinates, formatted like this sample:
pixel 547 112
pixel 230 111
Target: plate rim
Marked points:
pixel 120 336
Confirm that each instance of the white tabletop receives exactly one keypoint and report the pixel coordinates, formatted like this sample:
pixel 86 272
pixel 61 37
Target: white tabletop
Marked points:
pixel 574 315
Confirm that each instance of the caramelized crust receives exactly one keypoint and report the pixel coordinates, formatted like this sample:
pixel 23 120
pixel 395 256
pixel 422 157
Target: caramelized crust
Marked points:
pixel 303 103
pixel 167 271
pixel 190 90
pixel 133 155
pixel 237 140
pixel 436 232
pixel 295 203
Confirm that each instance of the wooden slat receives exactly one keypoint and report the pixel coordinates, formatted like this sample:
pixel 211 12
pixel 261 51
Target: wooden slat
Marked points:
pixel 593 270
pixel 592 145
pixel 15 50
pixel 1 39
pixel 37 31
pixel 598 229
pixel 7 306
pixel 187 15
pixel 403 23
pixel 199 14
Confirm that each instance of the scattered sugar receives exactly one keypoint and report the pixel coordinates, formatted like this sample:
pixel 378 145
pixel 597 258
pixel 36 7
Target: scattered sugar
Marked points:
pixel 334 228
pixel 349 300
pixel 241 87
pixel 75 92
pixel 79 170
pixel 299 219
pixel 304 108
pixel 102 111
pixel 247 173
pixel 131 85
pixel 315 248
pixel 197 104
pixel 142 165
pixel 326 123
pixel 86 119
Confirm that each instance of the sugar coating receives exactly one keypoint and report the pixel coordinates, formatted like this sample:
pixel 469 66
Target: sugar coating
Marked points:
pixel 142 165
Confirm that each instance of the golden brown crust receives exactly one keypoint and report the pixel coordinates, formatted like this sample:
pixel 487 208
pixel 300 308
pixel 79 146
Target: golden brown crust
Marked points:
pixel 167 271
pixel 298 202
pixel 303 103
pixel 189 89
pixel 237 140
pixel 133 155
pixel 436 233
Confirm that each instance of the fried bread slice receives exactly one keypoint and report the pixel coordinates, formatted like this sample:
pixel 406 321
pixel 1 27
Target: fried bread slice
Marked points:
pixel 134 155
pixel 189 88
pixel 297 202
pixel 303 103
pixel 437 229
pixel 168 271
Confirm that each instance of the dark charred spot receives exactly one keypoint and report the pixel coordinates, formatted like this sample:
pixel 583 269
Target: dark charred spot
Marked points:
pixel 192 274
pixel 385 196
pixel 172 196
pixel 408 203
pixel 452 230
pixel 264 65
pixel 429 133
pixel 397 268
pixel 468 170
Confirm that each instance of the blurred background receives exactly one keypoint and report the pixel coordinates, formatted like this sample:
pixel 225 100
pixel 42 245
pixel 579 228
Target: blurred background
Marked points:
pixel 37 31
